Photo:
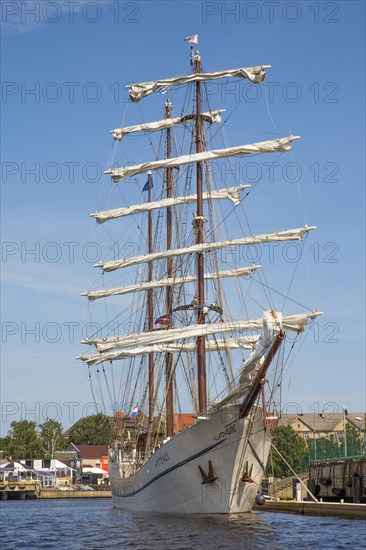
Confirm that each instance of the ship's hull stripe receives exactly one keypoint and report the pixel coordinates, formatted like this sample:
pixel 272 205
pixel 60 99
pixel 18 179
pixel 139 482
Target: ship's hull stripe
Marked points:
pixel 178 465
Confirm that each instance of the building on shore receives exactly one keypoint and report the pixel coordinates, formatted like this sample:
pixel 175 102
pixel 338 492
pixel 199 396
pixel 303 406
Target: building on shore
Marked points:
pixel 82 457
pixel 317 425
pixel 48 473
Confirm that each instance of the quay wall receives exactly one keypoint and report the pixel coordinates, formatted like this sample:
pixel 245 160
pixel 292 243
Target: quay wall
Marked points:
pixel 44 494
pixel 346 510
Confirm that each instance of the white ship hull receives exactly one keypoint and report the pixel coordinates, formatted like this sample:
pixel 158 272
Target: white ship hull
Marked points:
pixel 171 481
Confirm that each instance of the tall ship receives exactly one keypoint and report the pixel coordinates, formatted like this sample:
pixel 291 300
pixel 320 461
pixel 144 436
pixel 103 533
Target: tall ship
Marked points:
pixel 185 332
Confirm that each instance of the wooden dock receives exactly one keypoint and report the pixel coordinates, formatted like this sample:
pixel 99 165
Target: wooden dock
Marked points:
pixel 25 490
pixel 19 490
pixel 307 508
pixel 54 493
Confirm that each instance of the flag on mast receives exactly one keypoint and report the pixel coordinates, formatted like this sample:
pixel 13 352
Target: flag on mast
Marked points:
pixel 192 39
pixel 146 186
pixel 163 320
pixel 135 410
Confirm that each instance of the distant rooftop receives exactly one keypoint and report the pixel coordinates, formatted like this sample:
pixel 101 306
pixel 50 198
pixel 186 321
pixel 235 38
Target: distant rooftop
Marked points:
pixel 323 422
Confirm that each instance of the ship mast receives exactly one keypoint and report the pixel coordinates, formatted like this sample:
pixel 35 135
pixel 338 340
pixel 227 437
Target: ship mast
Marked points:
pixel 198 223
pixel 150 307
pixel 169 289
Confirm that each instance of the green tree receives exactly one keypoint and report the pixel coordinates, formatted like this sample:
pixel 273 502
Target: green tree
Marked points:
pixel 96 429
pixel 4 447
pixel 323 448
pixel 354 446
pixel 51 438
pixel 291 446
pixel 23 440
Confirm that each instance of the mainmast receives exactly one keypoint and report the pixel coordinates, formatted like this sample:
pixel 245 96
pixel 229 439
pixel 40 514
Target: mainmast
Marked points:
pixel 169 289
pixel 150 307
pixel 198 224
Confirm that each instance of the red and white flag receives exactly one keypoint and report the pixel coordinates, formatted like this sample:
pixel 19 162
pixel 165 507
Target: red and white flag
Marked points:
pixel 192 39
pixel 163 320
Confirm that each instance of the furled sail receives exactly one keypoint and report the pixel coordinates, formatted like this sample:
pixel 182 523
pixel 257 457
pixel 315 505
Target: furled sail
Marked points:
pixel 278 236
pixel 243 342
pixel 254 74
pixel 231 193
pixel 210 116
pixel 280 145
pixel 239 272
pixel 294 322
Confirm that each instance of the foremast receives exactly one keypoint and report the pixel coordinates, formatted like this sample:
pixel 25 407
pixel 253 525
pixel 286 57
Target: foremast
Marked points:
pixel 169 373
pixel 150 307
pixel 198 224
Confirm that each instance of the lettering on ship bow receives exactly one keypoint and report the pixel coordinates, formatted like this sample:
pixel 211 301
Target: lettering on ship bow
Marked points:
pixel 161 460
pixel 229 430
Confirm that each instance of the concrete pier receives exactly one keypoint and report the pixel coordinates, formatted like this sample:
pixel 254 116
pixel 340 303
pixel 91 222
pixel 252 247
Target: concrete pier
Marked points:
pixel 32 490
pixel 345 510
pixel 19 490
pixel 53 494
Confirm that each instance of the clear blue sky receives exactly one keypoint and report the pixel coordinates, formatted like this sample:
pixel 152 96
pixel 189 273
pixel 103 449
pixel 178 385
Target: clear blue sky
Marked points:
pixel 76 59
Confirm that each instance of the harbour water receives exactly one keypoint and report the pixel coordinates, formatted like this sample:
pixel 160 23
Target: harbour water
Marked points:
pixel 94 524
